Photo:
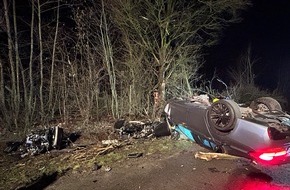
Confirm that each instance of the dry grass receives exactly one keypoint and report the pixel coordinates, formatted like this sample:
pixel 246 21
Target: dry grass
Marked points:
pixel 25 171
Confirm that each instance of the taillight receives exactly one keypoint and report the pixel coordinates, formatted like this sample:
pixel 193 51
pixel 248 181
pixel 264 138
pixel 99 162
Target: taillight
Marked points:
pixel 269 156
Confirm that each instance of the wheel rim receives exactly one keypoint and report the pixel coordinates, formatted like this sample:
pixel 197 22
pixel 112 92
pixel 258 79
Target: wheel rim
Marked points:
pixel 221 116
pixel 262 108
pixel 265 104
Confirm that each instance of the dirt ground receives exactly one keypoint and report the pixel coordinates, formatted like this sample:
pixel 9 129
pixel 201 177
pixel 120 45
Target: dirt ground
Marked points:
pixel 59 169
pixel 178 170
pixel 161 163
pixel 174 170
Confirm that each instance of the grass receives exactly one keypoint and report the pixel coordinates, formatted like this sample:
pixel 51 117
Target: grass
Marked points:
pixel 26 171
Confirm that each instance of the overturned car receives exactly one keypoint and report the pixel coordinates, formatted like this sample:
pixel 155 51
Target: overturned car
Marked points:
pixel 260 132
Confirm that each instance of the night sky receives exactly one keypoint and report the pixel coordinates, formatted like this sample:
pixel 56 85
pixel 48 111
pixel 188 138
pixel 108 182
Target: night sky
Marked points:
pixel 266 26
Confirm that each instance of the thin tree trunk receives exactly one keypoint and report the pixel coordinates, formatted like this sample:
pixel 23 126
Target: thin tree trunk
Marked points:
pixel 12 91
pixel 108 55
pixel 17 59
pixel 2 95
pixel 10 49
pixel 50 102
pixel 31 81
pixel 17 67
pixel 40 60
pixel 64 95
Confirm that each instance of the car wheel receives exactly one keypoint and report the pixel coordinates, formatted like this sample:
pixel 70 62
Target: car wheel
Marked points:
pixel 223 115
pixel 265 104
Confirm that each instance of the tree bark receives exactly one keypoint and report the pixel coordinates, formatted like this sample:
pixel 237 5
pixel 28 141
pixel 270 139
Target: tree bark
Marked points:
pixel 31 81
pixel 40 60
pixel 13 91
pixel 108 57
pixel 50 96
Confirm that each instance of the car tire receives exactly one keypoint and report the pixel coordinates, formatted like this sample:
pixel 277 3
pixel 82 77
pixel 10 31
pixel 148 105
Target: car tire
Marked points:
pixel 223 115
pixel 265 104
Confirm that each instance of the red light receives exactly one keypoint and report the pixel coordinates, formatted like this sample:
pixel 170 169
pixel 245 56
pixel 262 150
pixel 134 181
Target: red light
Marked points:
pixel 269 156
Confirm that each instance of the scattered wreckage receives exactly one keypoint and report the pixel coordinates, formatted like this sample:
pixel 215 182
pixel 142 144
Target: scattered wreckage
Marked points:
pixel 139 129
pixel 259 132
pixel 45 140
pixel 41 141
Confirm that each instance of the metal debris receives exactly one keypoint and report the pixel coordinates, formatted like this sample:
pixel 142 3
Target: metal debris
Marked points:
pixel 41 141
pixel 44 140
pixel 139 129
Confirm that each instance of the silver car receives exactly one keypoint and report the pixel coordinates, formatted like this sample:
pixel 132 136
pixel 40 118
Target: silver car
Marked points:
pixel 259 132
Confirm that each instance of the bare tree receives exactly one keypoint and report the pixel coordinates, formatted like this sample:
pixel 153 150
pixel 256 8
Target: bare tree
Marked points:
pixel 243 74
pixel 13 91
pixel 243 78
pixel 23 87
pixel 111 60
pixel 108 59
pixel 173 33
pixel 31 101
pixel 51 85
pixel 41 100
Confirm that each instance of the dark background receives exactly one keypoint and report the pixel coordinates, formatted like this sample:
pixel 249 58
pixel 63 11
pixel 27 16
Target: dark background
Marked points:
pixel 266 27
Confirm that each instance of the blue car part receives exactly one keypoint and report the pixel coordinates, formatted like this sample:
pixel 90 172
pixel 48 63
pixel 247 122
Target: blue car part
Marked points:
pixel 195 138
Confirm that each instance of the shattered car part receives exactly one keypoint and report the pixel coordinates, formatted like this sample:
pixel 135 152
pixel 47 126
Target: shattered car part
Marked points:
pixel 161 129
pixel 41 141
pixel 44 140
pixel 262 135
pixel 138 129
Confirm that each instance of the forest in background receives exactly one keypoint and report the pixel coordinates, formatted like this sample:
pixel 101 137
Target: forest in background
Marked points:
pixel 94 58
